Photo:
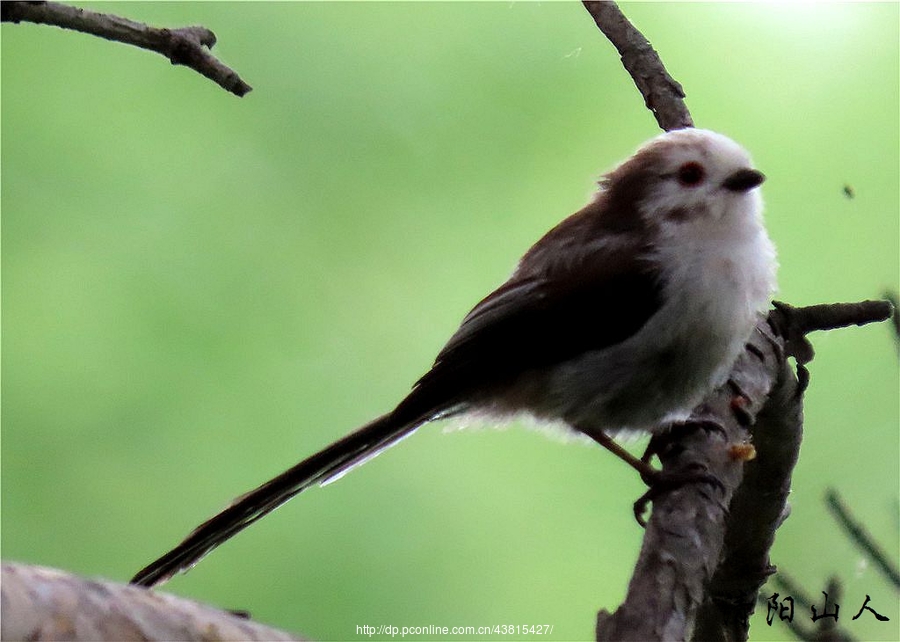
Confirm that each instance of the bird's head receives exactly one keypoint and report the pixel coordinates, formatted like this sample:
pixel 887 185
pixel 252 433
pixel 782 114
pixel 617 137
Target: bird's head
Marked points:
pixel 688 176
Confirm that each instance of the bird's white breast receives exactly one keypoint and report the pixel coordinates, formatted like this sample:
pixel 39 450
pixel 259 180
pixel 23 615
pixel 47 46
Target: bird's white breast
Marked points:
pixel 718 277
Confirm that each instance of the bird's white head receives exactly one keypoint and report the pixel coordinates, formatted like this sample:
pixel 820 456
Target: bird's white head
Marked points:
pixel 690 176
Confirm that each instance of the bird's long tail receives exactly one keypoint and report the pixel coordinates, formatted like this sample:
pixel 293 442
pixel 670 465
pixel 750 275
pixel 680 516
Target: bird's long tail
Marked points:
pixel 320 468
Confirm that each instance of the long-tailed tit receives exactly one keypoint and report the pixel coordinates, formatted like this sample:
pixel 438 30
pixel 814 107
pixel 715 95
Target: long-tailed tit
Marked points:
pixel 621 318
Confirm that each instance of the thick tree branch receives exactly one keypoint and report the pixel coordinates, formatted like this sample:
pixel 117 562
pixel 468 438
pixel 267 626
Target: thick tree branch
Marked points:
pixel 758 508
pixel 688 533
pixel 45 604
pixel 188 46
pixel 705 552
pixel 662 94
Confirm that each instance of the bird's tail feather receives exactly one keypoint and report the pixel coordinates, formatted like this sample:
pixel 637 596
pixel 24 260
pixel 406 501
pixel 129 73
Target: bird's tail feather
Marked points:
pixel 322 467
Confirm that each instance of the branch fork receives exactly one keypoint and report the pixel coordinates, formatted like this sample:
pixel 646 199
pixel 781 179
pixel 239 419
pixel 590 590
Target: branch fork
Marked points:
pixel 188 46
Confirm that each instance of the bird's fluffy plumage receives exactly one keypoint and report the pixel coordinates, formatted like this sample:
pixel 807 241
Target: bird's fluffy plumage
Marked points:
pixel 621 317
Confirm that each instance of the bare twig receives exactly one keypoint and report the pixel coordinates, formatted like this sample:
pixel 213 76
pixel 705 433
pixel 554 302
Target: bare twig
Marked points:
pixel 830 316
pixel 662 94
pixel 860 536
pixel 188 46
pixel 795 323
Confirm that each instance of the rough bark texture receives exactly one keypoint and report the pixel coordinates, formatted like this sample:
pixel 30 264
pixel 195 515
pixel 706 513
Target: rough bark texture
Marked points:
pixel 705 552
pixel 663 95
pixel 691 528
pixel 45 604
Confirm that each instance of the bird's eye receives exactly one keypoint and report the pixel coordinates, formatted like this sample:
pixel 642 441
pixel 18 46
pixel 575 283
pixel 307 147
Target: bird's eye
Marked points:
pixel 691 174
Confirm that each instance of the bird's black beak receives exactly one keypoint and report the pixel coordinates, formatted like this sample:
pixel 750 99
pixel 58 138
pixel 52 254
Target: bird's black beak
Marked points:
pixel 744 180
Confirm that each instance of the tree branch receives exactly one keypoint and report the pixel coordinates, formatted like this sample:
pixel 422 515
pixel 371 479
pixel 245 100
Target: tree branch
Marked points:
pixel 758 508
pixel 663 95
pixel 188 46
pixel 705 551
pixel 688 533
pixel 861 537
pixel 45 604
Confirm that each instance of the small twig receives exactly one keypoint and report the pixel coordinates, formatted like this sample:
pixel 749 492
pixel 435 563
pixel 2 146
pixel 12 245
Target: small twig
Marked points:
pixel 860 536
pixel 188 46
pixel 663 95
pixel 830 316
pixel 795 323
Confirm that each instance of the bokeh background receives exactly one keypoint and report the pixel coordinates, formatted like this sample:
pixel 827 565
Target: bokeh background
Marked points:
pixel 199 290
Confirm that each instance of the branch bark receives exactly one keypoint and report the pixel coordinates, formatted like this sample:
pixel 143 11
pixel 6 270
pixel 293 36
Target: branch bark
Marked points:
pixel 705 552
pixel 45 604
pixel 663 95
pixel 688 533
pixel 188 46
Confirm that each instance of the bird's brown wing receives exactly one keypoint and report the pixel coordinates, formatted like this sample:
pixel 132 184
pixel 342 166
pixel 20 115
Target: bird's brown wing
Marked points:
pixel 539 318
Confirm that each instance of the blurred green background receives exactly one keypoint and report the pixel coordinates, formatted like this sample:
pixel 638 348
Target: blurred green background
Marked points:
pixel 199 290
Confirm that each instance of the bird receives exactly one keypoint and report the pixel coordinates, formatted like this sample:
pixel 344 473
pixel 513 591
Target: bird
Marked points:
pixel 618 321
